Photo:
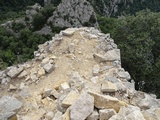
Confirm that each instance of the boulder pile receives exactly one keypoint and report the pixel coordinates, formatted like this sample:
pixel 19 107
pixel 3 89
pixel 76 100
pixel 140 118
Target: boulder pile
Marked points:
pixel 75 76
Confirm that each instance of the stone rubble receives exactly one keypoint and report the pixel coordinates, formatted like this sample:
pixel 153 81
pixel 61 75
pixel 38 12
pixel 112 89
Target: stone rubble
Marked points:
pixel 75 76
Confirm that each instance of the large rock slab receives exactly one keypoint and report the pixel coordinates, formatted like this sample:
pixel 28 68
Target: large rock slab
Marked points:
pixel 128 113
pixel 82 108
pixel 107 102
pixel 8 105
pixel 144 101
pixel 14 71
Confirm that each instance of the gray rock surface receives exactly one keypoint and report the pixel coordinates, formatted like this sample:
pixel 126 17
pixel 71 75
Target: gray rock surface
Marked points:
pixel 48 67
pixel 8 105
pixel 82 108
pixel 76 81
pixel 14 71
pixel 93 116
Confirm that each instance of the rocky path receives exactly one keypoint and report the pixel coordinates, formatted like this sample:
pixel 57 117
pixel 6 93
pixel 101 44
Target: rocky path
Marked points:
pixel 75 76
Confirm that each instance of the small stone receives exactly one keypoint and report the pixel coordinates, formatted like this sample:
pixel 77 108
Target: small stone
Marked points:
pixel 41 72
pixel 94 79
pixel 66 115
pixel 22 85
pixel 82 108
pixel 8 105
pixel 124 75
pixel 65 86
pixel 23 74
pixel 68 32
pixel 46 93
pixel 105 114
pixel 76 81
pixel 92 36
pixel 34 77
pixel 129 85
pixel 5 81
pixel 58 116
pixel 44 61
pixel 96 70
pixel 99 58
pixel 108 87
pixel 112 79
pixel 71 47
pixel 50 115
pixel 12 87
pixel 70 99
pixel 48 67
pixel 93 116
pixel 54 93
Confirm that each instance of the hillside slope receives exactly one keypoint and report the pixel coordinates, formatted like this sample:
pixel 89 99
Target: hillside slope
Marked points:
pixel 75 76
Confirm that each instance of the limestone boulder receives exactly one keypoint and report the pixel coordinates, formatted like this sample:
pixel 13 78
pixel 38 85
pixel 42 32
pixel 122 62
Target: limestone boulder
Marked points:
pixel 106 102
pixel 128 113
pixel 8 106
pixel 144 101
pixel 82 108
pixel 14 71
pixel 96 69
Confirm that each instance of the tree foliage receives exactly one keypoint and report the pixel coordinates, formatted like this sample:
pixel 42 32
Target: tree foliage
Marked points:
pixel 19 49
pixel 138 38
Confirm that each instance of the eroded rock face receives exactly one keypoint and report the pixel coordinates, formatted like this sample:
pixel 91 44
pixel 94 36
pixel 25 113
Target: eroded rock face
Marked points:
pixel 73 13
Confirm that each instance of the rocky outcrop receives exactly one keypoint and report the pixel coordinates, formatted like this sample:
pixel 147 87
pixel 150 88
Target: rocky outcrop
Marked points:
pixel 74 76
pixel 73 13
